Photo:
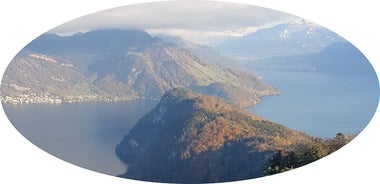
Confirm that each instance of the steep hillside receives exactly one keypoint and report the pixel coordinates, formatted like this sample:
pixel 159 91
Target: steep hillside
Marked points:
pixel 33 77
pixel 205 52
pixel 191 138
pixel 122 65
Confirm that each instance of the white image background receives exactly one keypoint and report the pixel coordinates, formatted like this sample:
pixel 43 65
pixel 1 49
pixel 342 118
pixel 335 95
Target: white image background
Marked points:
pixel 22 21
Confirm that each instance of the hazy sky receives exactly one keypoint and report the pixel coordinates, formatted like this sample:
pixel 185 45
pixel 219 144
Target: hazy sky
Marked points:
pixel 196 21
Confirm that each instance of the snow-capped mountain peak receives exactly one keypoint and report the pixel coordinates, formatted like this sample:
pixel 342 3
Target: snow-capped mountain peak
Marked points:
pixel 292 38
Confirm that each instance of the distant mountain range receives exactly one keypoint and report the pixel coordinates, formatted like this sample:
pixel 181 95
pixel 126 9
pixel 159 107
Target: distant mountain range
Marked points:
pixel 293 38
pixel 193 138
pixel 341 58
pixel 118 64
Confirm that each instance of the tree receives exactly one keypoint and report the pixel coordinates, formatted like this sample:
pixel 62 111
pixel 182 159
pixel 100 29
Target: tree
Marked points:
pixel 280 163
pixel 302 154
pixel 337 142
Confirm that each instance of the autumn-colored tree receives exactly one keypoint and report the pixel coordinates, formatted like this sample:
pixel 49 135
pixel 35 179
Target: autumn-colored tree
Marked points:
pixel 304 154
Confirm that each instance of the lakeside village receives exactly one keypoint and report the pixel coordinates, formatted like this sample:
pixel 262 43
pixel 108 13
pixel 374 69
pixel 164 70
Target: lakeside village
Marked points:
pixel 34 98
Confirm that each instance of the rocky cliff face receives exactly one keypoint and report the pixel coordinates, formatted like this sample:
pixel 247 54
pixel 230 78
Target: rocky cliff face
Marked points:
pixel 195 138
pixel 124 64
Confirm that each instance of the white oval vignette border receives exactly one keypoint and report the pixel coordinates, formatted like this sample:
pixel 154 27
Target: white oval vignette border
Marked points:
pixel 22 21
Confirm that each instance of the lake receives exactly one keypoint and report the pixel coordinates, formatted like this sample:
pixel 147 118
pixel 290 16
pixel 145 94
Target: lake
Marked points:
pixel 319 104
pixel 84 134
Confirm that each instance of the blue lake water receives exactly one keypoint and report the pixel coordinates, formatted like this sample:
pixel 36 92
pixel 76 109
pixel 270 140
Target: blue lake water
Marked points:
pixel 319 104
pixel 84 134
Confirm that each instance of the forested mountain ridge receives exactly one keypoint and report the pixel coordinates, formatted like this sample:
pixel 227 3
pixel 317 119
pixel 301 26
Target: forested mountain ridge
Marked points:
pixel 190 137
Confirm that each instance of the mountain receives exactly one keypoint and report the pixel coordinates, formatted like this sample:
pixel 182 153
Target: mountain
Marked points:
pixel 192 138
pixel 121 65
pixel 33 77
pixel 293 38
pixel 341 58
pixel 205 52
pixel 96 41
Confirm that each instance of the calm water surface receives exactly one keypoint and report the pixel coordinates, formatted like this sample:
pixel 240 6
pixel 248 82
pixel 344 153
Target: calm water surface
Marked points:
pixel 319 104
pixel 84 134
